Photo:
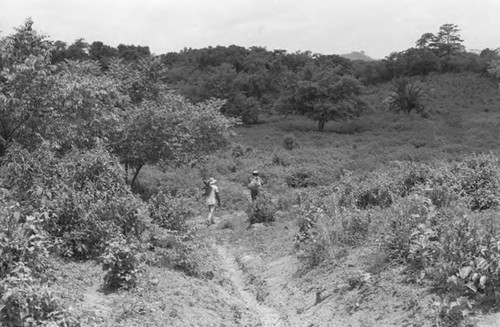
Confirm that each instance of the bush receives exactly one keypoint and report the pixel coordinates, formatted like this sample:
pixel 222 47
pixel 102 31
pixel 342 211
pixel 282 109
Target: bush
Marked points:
pixel 26 302
pixel 21 243
pixel 369 190
pixel 83 196
pixel 237 151
pixel 398 222
pixel 405 97
pixel 478 179
pixel 301 178
pixel 290 142
pixel 261 210
pixel 170 212
pixel 325 228
pixel 121 264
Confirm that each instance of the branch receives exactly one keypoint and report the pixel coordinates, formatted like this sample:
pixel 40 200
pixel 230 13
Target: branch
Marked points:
pixel 17 127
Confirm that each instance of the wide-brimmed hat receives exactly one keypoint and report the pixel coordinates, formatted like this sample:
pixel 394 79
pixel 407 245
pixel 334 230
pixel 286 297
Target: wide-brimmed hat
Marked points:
pixel 212 180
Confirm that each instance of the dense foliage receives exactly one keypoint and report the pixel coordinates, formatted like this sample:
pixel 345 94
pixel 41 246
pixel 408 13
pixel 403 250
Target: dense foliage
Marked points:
pixel 439 220
pixel 67 128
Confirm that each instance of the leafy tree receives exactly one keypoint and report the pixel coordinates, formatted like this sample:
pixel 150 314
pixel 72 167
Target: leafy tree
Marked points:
pixel 103 53
pixel 169 131
pixel 445 43
pixel 141 80
pixel 71 103
pixel 425 40
pixel 78 50
pixel 133 52
pixel 413 61
pixel 323 95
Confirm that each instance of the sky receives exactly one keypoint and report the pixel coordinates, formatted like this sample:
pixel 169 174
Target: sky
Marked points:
pixel 377 27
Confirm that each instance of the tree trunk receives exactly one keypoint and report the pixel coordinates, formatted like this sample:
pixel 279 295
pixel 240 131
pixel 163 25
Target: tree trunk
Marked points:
pixel 321 124
pixel 135 176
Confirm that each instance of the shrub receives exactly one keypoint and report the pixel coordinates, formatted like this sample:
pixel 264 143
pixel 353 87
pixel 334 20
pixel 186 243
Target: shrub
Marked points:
pixel 405 97
pixel 290 142
pixel 261 210
pixel 237 151
pixel 325 228
pixel 26 302
pixel 478 179
pixel 82 194
pixel 121 264
pixel 400 221
pixel 369 190
pixel 301 177
pixel 169 212
pixel 21 243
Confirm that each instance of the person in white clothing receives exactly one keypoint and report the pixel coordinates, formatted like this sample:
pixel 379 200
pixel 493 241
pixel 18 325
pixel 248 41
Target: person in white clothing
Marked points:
pixel 211 198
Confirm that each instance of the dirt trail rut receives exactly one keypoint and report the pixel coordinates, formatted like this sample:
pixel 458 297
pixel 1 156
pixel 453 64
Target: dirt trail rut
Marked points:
pixel 268 316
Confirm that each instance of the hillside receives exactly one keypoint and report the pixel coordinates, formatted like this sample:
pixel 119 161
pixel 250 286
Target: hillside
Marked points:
pixel 257 275
pixel 357 55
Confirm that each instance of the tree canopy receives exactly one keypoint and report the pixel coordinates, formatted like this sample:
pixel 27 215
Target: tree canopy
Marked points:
pixel 323 94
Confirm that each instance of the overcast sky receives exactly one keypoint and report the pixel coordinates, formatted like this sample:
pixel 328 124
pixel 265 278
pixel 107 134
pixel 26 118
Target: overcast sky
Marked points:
pixel 378 27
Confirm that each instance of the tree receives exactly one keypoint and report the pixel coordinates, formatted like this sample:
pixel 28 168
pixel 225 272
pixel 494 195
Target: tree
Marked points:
pixel 425 40
pixel 103 53
pixel 140 80
pixel 68 104
pixel 170 131
pixel 323 95
pixel 447 41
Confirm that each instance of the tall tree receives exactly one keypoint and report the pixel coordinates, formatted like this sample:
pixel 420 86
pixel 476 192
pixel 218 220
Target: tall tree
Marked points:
pixel 445 43
pixel 448 40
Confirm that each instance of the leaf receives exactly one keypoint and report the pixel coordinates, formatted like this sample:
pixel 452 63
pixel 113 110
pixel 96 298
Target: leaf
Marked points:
pixel 464 272
pixel 471 286
pixel 481 263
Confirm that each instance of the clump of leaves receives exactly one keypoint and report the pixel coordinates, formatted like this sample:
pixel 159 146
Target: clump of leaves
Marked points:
pixel 21 243
pixel 406 97
pixel 121 264
pixel 27 302
pixel 261 210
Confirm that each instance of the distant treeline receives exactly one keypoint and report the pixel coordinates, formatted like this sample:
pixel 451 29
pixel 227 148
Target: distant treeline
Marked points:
pixel 252 80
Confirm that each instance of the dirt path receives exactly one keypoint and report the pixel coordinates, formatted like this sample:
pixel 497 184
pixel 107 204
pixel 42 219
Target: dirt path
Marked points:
pixel 267 276
pixel 268 316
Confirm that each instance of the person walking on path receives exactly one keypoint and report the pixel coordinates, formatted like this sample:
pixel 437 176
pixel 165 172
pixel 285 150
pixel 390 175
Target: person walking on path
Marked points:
pixel 255 185
pixel 211 198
